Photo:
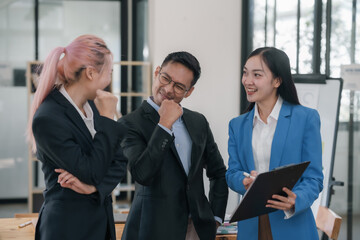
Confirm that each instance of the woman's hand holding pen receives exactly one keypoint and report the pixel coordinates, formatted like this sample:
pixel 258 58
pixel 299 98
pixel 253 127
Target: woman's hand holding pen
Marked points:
pixel 248 180
pixel 283 203
pixel 67 180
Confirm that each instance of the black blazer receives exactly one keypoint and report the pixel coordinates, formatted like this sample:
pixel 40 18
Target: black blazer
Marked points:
pixel 165 196
pixel 63 141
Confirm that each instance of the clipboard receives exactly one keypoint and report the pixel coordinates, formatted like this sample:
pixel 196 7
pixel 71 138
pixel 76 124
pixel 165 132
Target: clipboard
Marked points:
pixel 264 186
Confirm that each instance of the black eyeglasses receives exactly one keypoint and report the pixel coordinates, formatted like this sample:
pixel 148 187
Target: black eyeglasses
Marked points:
pixel 178 87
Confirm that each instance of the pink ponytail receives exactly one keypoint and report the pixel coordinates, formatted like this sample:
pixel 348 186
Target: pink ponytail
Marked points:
pixel 47 81
pixel 84 51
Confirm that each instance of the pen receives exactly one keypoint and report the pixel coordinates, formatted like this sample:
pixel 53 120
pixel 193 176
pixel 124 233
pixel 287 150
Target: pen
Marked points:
pixel 248 175
pixel 25 224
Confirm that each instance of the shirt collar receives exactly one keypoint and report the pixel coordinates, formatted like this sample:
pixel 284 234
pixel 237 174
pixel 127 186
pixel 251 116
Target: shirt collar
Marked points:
pixel 87 108
pixel 274 113
pixel 153 104
pixel 276 110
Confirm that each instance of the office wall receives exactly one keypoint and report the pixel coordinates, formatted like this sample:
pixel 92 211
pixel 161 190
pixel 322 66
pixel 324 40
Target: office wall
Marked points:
pixel 210 30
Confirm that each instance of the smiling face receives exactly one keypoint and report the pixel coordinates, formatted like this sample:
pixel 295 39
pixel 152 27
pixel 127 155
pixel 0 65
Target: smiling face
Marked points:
pixel 179 74
pixel 259 82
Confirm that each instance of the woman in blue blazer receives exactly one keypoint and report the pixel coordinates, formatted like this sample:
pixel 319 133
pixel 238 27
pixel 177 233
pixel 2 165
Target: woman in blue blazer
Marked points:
pixel 77 141
pixel 276 131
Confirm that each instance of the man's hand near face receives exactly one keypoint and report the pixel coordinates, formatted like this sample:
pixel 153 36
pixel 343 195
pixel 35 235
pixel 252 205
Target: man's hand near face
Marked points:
pixel 169 112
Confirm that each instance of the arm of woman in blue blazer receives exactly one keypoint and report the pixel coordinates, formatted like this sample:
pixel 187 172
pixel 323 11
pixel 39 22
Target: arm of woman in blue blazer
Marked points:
pixel 234 174
pixel 311 183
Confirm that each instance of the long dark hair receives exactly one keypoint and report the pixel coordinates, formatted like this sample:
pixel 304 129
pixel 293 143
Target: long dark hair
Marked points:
pixel 279 64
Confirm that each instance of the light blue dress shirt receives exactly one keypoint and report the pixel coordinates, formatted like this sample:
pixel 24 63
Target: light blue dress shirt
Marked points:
pixel 183 143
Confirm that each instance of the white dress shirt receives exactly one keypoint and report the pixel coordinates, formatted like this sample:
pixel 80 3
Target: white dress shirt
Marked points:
pixel 89 118
pixel 263 134
pixel 183 142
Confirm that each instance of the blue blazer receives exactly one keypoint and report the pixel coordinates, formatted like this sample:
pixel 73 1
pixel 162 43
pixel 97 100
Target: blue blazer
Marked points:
pixel 296 139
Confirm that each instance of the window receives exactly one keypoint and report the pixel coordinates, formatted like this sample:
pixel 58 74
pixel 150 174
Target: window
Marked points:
pixel 288 25
pixel 29 30
pixel 16 40
pixel 62 21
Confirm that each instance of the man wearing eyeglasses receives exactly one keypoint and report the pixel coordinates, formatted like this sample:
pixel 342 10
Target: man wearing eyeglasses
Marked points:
pixel 168 147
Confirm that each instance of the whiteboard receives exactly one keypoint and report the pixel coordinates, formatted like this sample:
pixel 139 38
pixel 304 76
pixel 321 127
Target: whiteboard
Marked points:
pixel 323 95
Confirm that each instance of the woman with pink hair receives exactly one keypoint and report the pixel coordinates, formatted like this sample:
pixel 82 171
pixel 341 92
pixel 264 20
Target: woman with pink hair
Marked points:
pixel 73 132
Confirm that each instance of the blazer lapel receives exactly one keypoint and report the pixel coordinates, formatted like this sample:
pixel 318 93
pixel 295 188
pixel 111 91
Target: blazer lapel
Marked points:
pixel 96 114
pixel 72 113
pixel 173 149
pixel 248 140
pixel 192 130
pixel 151 114
pixel 280 135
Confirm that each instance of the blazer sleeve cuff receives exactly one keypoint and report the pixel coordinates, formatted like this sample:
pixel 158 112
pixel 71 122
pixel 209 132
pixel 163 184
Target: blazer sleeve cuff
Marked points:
pixel 169 131
pixel 115 129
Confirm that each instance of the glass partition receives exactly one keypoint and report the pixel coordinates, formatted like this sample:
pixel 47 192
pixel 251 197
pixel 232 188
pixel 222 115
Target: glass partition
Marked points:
pixel 62 21
pixel 17 43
